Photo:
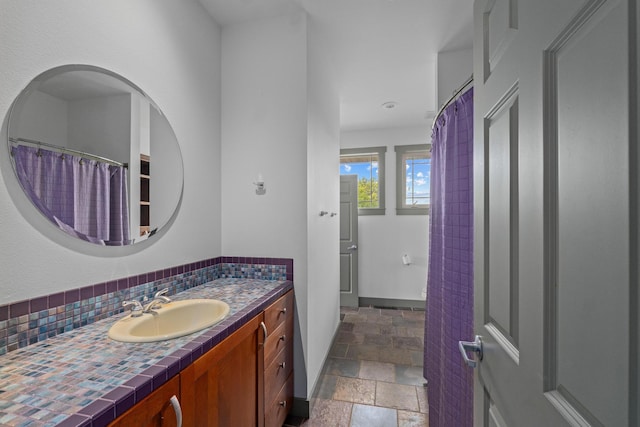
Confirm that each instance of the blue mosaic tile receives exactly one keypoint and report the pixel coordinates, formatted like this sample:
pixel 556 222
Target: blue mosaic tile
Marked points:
pixel 26 329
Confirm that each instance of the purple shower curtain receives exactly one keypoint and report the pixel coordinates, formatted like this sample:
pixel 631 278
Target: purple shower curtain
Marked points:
pixel 449 307
pixel 85 198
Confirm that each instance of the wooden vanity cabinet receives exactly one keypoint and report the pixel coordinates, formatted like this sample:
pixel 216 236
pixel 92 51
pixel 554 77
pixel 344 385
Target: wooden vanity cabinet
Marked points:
pixel 224 386
pixel 278 361
pixel 245 380
pixel 154 410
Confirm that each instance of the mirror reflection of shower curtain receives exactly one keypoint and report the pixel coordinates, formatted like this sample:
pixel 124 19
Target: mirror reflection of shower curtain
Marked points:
pixel 85 198
pixel 449 306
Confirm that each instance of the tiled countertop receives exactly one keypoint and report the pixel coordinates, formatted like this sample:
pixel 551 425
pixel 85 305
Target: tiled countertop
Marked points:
pixel 83 378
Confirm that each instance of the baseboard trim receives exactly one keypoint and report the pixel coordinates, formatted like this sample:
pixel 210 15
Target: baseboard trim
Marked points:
pixel 301 407
pixel 391 303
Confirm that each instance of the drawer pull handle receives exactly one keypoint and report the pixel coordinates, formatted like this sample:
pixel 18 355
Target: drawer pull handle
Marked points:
pixel 282 365
pixel 283 311
pixel 283 337
pixel 283 403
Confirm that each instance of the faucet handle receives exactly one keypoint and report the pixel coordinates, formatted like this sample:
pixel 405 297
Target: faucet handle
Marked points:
pixel 137 308
pixel 160 295
pixel 157 301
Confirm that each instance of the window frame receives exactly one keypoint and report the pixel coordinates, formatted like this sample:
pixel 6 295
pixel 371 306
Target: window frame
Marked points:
pixel 401 186
pixel 381 152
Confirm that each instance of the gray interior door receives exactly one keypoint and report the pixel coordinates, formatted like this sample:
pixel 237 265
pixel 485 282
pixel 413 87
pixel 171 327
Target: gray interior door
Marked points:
pixel 349 240
pixel 556 212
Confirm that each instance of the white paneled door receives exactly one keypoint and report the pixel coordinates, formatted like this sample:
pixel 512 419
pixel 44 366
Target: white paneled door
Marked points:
pixel 556 194
pixel 349 240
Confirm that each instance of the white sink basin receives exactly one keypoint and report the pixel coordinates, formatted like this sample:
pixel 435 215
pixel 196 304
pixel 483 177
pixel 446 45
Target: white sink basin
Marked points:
pixel 173 320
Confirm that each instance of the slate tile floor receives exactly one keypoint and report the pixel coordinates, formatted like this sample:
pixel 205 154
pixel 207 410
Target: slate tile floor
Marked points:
pixel 373 375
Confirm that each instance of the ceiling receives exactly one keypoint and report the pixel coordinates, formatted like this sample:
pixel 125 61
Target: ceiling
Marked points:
pixel 385 50
pixel 73 85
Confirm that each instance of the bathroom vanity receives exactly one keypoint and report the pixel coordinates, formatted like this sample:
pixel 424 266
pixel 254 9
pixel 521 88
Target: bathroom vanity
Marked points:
pixel 245 380
pixel 236 372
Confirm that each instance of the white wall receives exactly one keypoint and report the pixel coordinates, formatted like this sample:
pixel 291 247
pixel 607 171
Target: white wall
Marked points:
pixel 101 126
pixel 264 131
pixel 172 51
pixel 323 186
pixel 383 239
pixel 454 68
pixel 43 116
pixel 166 166
pixel 280 120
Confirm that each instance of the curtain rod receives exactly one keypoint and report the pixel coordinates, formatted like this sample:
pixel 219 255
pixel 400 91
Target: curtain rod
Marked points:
pixel 450 100
pixel 71 151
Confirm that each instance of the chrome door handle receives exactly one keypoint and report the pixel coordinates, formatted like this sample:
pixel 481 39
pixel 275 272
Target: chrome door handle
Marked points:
pixel 352 248
pixel 264 330
pixel 475 346
pixel 176 407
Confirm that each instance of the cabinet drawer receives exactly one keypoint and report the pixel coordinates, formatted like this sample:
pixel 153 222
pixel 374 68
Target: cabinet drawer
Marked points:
pixel 276 411
pixel 277 340
pixel 277 372
pixel 279 311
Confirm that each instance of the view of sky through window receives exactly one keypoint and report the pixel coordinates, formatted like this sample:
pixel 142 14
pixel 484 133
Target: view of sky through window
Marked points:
pixel 418 180
pixel 366 167
pixel 366 170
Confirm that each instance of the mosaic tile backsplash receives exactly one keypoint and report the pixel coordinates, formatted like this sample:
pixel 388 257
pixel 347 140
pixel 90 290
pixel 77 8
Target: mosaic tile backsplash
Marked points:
pixel 27 322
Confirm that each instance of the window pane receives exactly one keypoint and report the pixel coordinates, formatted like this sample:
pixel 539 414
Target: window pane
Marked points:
pixel 417 179
pixel 366 167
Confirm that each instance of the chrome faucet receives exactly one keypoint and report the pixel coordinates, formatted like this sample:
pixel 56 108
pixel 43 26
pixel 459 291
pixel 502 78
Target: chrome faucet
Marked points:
pixel 136 310
pixel 157 301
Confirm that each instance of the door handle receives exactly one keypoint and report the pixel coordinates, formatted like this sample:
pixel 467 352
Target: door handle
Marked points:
pixel 176 407
pixel 264 330
pixel 474 346
pixel 352 248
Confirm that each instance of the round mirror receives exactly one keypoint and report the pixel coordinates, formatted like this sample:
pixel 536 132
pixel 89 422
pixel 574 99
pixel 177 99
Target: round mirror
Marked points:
pixel 95 155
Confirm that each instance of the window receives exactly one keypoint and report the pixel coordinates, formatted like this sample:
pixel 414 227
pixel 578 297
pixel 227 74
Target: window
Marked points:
pixel 413 172
pixel 368 164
